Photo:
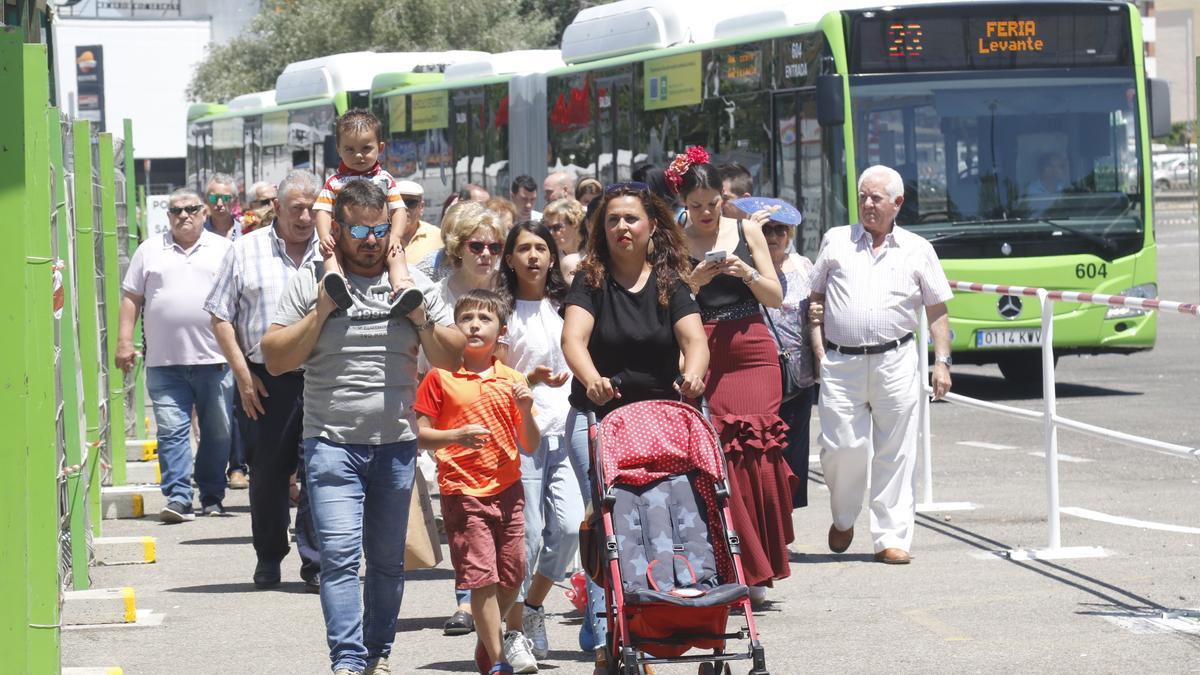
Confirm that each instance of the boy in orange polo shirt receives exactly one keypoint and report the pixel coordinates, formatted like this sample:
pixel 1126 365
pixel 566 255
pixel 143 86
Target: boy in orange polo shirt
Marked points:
pixel 475 418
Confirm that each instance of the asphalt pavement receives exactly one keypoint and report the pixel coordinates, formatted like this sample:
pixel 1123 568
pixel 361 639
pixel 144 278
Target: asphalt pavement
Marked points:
pixel 959 607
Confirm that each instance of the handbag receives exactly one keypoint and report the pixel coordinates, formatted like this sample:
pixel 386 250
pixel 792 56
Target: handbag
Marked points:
pixel 789 387
pixel 422 544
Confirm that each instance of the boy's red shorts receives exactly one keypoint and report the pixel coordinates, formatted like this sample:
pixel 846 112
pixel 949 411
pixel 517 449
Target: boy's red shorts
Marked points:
pixel 487 537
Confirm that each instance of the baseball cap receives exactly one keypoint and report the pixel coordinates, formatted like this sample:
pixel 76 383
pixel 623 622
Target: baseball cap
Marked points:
pixel 408 187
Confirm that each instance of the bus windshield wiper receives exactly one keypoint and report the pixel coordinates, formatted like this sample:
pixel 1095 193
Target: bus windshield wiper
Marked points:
pixel 1096 239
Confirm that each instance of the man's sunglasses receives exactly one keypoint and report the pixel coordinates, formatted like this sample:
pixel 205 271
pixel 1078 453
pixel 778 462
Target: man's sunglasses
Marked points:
pixel 225 199
pixel 176 210
pixel 412 202
pixel 477 247
pixel 363 231
pixel 262 202
pixel 632 186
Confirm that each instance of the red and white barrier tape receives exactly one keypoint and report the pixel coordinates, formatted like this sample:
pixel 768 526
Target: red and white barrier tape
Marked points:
pixel 1085 298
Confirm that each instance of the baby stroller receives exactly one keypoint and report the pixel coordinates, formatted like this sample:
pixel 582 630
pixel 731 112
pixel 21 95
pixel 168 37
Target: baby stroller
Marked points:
pixel 671 568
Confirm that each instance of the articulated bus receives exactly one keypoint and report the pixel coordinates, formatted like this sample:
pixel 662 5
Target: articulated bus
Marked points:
pixel 455 131
pixel 262 136
pixel 1022 132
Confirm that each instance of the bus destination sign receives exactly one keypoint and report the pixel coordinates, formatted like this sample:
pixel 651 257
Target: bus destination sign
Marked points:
pixel 988 36
pixel 1010 37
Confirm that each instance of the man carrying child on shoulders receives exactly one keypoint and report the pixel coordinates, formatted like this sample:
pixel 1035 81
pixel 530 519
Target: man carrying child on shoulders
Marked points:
pixel 360 438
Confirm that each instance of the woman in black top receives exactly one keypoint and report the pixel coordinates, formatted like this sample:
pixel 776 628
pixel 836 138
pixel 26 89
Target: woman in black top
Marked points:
pixel 629 313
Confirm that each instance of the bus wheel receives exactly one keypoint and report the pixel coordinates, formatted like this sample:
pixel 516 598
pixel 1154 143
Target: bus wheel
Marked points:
pixel 1023 370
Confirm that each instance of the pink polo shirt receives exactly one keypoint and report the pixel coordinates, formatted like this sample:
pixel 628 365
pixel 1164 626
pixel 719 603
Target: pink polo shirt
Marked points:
pixel 175 284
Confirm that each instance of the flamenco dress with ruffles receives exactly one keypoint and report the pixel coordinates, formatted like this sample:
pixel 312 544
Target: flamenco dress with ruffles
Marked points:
pixel 744 391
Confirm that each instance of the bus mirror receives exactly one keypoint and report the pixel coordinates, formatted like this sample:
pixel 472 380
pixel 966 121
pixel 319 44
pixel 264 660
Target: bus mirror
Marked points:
pixel 1160 107
pixel 831 102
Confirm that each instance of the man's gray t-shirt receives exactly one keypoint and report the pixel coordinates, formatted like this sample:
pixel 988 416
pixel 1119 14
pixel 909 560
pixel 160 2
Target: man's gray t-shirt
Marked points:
pixel 360 380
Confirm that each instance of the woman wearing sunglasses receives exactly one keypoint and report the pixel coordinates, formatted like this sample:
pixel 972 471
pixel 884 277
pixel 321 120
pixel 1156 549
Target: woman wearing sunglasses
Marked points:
pixel 789 326
pixel 735 275
pixel 565 220
pixel 630 313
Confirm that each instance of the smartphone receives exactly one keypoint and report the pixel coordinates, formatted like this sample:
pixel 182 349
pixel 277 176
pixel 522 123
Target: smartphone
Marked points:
pixel 715 256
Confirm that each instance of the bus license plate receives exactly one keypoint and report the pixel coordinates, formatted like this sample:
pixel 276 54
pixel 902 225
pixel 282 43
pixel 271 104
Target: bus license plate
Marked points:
pixel 1008 337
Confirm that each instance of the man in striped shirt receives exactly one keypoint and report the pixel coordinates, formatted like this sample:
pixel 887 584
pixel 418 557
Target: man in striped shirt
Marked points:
pixel 873 278
pixel 253 276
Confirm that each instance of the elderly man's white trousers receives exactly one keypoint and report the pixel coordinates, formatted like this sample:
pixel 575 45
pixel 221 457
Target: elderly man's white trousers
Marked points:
pixel 868 413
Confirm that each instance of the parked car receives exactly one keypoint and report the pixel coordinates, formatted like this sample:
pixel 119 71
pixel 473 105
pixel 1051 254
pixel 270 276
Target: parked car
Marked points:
pixel 1174 173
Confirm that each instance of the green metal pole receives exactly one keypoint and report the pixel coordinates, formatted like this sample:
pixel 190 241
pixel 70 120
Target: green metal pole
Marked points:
pixel 112 309
pixel 28 633
pixel 41 473
pixel 135 213
pixel 14 525
pixel 89 319
pixel 69 370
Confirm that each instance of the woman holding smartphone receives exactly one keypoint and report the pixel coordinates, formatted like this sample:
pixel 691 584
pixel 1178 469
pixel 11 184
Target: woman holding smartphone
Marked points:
pixel 735 275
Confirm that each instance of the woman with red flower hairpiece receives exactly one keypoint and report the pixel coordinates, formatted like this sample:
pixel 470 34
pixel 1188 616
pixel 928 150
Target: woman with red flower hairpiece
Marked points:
pixel 735 274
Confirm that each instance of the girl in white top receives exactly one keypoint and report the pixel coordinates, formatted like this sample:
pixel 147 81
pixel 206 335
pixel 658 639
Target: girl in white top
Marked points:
pixel 530 274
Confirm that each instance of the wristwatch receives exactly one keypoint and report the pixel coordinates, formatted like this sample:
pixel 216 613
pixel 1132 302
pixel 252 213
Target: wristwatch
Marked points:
pixel 754 276
pixel 949 361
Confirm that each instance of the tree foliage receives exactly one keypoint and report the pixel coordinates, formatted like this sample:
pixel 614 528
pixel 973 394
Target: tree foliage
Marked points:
pixel 292 30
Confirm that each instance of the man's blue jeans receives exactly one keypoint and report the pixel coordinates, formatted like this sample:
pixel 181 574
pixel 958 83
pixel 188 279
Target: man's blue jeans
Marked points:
pixel 174 390
pixel 359 496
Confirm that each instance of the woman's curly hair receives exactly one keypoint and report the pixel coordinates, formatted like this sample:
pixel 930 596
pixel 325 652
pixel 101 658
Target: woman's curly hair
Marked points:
pixel 667 252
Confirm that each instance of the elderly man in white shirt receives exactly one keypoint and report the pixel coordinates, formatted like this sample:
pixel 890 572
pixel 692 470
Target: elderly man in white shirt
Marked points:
pixel 167 281
pixel 872 279
pixel 254 276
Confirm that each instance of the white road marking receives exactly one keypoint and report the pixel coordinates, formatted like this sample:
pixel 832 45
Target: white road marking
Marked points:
pixel 986 446
pixel 1063 458
pixel 1128 522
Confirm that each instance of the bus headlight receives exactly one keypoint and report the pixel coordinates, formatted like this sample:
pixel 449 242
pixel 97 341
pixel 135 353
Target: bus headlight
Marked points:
pixel 1140 291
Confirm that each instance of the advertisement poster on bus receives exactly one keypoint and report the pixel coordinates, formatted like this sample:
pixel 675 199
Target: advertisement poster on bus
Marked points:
pixel 672 81
pixel 430 111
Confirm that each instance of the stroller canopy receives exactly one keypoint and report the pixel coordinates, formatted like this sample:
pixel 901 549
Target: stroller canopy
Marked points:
pixel 645 441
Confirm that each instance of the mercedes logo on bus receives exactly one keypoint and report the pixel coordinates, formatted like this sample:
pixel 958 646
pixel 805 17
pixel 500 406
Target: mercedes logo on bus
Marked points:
pixel 1009 306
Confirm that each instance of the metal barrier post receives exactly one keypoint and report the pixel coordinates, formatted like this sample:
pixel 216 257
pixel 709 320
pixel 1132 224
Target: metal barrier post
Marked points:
pixel 29 631
pixel 1049 410
pixel 73 504
pixel 89 320
pixel 115 438
pixel 924 430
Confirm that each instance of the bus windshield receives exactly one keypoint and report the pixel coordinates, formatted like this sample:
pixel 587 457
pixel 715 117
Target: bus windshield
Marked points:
pixel 1048 161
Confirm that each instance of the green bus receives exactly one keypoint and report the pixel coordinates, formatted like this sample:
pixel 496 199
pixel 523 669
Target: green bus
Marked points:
pixel 262 136
pixel 1022 132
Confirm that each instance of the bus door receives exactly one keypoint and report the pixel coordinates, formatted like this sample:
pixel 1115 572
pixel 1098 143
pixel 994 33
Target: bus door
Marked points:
pixel 614 128
pixel 801 168
pixel 252 153
pixel 470 125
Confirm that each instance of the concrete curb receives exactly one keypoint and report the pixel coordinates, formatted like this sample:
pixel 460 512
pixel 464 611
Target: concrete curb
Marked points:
pixel 125 550
pixel 99 606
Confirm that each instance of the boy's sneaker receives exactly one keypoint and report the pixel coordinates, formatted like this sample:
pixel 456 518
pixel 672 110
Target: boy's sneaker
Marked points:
pixel 215 509
pixel 378 666
pixel 176 512
pixel 406 301
pixel 337 290
pixel 518 652
pixel 533 623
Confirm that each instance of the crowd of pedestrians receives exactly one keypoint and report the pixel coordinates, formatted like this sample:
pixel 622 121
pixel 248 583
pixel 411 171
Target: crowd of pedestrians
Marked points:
pixel 345 344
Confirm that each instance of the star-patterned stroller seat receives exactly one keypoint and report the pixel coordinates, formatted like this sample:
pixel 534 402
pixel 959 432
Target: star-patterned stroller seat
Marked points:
pixel 669 547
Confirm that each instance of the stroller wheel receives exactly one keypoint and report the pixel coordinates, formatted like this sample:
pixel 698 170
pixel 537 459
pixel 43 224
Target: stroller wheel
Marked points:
pixel 715 668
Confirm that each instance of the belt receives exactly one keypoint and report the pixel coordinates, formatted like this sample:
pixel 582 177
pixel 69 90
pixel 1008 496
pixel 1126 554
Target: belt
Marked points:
pixel 869 349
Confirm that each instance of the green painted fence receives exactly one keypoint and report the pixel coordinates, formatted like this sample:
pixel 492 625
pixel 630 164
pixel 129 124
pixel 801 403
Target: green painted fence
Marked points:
pixel 70 229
